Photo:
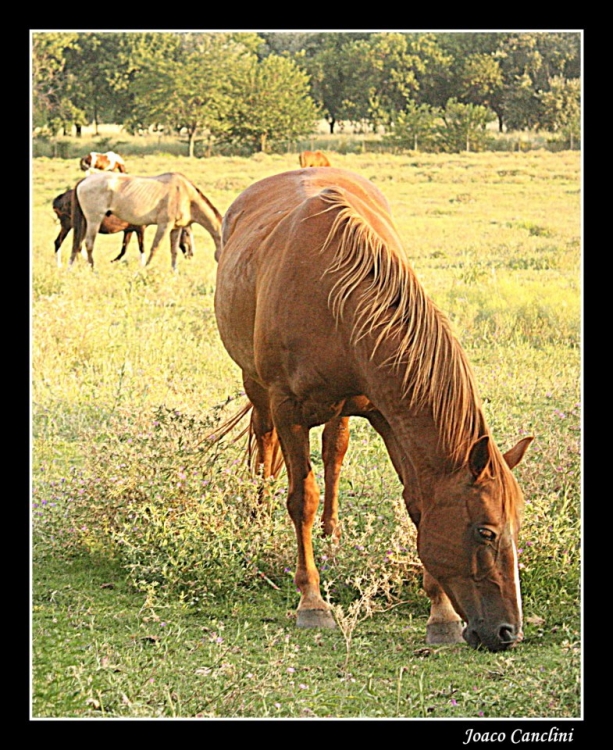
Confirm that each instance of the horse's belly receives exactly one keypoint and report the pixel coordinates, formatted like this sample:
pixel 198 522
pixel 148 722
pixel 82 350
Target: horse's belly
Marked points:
pixel 235 312
pixel 132 216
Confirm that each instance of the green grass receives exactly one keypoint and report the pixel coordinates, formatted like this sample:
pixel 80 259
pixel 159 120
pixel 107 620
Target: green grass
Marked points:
pixel 156 594
pixel 102 651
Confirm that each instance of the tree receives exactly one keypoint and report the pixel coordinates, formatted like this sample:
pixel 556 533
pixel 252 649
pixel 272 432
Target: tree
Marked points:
pixel 83 77
pixel 190 91
pixel 90 92
pixel 508 71
pixel 414 127
pixel 271 102
pixel 561 108
pixel 51 82
pixel 123 56
pixel 463 126
pixel 336 67
pixel 522 108
pixel 529 61
pixel 481 82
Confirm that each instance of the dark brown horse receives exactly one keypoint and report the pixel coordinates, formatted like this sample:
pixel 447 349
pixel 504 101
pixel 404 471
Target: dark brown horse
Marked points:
pixel 62 205
pixel 317 303
pixel 169 200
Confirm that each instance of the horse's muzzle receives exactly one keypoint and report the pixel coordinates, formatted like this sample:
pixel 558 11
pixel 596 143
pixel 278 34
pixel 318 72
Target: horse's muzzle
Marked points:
pixel 500 639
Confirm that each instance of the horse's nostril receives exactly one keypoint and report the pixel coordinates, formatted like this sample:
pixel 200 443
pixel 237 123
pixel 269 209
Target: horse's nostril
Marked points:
pixel 507 633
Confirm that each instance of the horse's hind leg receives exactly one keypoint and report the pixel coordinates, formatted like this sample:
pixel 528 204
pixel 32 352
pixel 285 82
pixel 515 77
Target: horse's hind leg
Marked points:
pixel 90 238
pixel 263 433
pixel 124 245
pixel 335 441
pixel 302 502
pixel 58 244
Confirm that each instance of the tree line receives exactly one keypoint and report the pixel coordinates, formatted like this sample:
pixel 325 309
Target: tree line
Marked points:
pixel 428 91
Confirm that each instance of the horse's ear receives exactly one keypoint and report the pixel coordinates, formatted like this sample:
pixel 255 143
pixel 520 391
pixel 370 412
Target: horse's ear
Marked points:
pixel 514 455
pixel 479 456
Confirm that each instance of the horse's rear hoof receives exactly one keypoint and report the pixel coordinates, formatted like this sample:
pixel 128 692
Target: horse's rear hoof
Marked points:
pixel 445 632
pixel 315 618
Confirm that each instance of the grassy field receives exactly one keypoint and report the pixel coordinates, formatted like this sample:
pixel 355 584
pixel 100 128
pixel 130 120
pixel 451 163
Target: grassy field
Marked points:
pixel 156 594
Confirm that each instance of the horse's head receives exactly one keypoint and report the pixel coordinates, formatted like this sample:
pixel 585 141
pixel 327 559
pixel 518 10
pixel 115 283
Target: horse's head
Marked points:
pixel 86 162
pixel 467 541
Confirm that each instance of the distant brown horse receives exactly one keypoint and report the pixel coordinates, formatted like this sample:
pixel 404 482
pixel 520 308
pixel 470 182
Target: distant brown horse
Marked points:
pixel 62 205
pixel 169 200
pixel 313 159
pixel 318 305
pixel 107 162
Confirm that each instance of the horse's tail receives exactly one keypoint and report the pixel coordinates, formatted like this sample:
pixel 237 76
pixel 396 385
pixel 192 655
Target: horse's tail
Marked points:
pixel 252 454
pixel 277 461
pixel 79 224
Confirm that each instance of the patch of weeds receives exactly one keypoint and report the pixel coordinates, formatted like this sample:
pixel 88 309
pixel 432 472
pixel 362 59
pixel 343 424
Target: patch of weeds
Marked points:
pixel 534 230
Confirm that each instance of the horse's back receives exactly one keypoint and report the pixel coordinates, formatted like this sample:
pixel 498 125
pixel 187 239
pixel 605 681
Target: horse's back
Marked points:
pixel 262 206
pixel 133 198
pixel 273 286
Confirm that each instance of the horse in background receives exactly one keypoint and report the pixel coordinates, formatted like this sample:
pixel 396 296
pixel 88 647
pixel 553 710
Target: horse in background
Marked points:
pixel 98 162
pixel 313 159
pixel 169 200
pixel 62 206
pixel 318 305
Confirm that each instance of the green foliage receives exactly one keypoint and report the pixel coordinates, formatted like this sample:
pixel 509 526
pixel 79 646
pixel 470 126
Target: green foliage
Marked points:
pixel 189 92
pixel 181 513
pixel 463 126
pixel 52 81
pixel 414 128
pixel 271 103
pixel 365 78
pixel 562 109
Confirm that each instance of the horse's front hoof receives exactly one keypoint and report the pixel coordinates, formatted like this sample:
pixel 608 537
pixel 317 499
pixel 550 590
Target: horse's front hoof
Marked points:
pixel 445 632
pixel 315 618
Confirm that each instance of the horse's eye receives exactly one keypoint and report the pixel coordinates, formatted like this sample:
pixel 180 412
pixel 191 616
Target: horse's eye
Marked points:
pixel 486 534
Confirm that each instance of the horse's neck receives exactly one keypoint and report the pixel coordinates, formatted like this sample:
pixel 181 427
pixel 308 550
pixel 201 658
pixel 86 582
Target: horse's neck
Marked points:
pixel 422 441
pixel 204 215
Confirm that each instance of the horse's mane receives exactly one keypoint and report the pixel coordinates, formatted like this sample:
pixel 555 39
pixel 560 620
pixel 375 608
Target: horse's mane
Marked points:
pixel 393 305
pixel 208 202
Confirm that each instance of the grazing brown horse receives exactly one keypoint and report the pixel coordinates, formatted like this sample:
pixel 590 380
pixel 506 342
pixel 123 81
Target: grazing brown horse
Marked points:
pixel 62 205
pixel 317 303
pixel 108 162
pixel 169 200
pixel 313 159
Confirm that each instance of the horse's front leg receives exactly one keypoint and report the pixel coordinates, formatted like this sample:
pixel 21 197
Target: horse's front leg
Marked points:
pixel 335 440
pixel 302 502
pixel 162 232
pixel 175 236
pixel 140 236
pixel 444 624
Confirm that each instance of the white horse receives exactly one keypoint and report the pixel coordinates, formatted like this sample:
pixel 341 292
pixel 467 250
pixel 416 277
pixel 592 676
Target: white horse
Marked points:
pixel 107 162
pixel 169 200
